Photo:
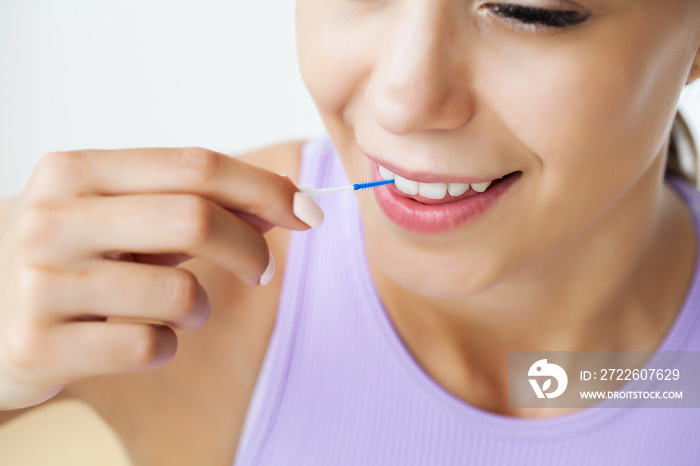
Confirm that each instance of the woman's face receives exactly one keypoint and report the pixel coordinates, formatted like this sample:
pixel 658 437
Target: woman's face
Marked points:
pixel 459 91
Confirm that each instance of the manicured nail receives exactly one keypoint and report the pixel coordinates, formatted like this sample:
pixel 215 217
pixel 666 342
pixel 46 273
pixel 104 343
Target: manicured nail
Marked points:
pixel 268 273
pixel 307 210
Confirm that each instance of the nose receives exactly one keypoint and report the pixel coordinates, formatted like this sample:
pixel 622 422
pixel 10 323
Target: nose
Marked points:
pixel 419 80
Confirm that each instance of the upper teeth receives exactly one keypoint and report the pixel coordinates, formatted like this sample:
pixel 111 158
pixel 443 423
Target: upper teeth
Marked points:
pixel 430 190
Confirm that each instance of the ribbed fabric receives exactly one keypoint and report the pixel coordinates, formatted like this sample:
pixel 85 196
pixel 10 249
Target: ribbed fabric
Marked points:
pixel 338 387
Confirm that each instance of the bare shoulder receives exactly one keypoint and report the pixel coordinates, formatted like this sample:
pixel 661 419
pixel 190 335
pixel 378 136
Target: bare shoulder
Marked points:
pixel 283 158
pixel 208 385
pixel 4 207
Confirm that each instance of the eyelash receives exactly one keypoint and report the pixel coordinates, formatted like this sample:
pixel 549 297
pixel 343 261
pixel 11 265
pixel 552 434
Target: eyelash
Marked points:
pixel 537 18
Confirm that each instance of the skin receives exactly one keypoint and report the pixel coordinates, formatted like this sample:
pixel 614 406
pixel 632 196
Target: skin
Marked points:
pixel 134 382
pixel 584 112
pixel 590 251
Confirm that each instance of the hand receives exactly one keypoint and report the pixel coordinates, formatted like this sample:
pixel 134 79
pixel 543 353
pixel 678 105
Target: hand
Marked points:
pixel 88 256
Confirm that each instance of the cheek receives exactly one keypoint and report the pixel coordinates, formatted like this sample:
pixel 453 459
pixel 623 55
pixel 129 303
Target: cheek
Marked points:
pixel 591 131
pixel 601 105
pixel 332 54
pixel 335 59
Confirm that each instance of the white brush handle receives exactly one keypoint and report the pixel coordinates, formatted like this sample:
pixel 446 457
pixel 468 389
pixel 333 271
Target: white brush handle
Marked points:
pixel 316 193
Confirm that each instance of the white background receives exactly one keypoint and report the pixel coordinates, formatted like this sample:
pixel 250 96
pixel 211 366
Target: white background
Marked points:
pixel 105 74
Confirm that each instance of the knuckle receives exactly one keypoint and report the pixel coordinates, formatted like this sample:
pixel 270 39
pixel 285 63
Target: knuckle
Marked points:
pixel 181 289
pixel 26 346
pixel 33 284
pixel 59 164
pixel 194 219
pixel 38 223
pixel 196 165
pixel 46 164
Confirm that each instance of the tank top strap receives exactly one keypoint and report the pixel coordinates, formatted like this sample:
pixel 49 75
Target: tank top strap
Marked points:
pixel 320 169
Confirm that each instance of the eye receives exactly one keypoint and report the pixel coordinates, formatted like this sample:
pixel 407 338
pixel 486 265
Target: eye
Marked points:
pixel 536 18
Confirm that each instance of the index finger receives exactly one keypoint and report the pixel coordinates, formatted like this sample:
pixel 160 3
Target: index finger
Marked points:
pixel 231 183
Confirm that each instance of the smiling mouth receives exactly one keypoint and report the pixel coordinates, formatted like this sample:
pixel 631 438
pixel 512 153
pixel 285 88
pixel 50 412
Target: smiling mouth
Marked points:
pixel 435 193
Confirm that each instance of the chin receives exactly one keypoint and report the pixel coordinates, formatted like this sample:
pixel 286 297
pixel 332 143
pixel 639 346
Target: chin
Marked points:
pixel 436 274
pixel 441 285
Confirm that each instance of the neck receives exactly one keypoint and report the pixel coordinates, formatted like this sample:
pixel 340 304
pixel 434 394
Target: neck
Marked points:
pixel 618 286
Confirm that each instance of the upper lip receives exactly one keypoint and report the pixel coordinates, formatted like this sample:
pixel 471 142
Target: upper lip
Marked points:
pixel 431 177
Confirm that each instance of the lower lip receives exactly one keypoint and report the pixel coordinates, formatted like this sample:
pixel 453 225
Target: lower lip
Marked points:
pixel 417 217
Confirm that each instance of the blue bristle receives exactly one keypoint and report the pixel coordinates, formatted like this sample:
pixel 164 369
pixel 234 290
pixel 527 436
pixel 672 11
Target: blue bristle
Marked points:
pixel 371 184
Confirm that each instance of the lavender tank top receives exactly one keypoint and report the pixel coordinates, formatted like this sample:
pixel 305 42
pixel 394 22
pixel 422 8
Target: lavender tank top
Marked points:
pixel 338 387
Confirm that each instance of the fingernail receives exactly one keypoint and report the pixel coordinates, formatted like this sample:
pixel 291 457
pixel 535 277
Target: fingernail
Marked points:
pixel 307 210
pixel 268 273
